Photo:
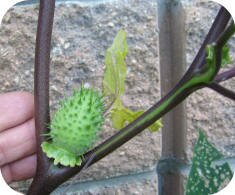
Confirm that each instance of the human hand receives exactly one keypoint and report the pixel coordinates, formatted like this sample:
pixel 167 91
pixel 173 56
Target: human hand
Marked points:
pixel 17 136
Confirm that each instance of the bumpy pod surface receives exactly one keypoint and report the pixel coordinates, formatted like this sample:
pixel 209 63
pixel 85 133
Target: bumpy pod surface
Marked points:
pixel 74 127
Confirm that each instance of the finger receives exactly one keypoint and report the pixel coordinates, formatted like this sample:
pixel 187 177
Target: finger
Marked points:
pixel 20 170
pixel 17 142
pixel 15 108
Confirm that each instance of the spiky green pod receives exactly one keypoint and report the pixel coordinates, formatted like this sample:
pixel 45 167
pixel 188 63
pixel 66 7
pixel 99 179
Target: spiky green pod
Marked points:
pixel 74 127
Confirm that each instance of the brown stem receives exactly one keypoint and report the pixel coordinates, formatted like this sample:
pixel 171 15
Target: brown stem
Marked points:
pixel 216 29
pixel 224 76
pixel 41 87
pixel 222 90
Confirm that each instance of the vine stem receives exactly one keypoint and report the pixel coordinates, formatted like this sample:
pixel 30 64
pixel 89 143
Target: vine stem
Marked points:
pixel 49 176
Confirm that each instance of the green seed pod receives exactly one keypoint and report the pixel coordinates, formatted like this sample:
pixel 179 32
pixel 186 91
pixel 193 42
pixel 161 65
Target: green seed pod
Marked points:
pixel 74 127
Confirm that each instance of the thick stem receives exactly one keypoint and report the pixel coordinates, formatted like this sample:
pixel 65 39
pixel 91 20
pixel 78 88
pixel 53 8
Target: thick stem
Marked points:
pixel 216 29
pixel 221 42
pixel 226 35
pixel 41 88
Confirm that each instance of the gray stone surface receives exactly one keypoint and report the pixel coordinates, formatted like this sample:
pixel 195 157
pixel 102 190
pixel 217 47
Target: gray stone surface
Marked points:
pixel 144 183
pixel 138 184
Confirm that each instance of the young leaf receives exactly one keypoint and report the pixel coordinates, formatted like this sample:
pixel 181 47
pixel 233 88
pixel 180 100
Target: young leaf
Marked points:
pixel 121 116
pixel 206 176
pixel 115 66
pixel 226 59
pixel 114 83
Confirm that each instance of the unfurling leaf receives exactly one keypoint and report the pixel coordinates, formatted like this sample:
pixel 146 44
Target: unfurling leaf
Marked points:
pixel 121 116
pixel 226 59
pixel 114 83
pixel 207 175
pixel 115 67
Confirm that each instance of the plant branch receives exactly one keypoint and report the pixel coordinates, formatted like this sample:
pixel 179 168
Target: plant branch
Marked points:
pixel 226 35
pixel 222 90
pixel 220 43
pixel 189 83
pixel 41 88
pixel 222 40
pixel 225 75
pixel 216 29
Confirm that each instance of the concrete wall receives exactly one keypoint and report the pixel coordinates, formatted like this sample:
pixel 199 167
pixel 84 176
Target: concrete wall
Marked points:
pixel 82 32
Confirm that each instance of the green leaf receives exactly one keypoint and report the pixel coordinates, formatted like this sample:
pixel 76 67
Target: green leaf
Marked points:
pixel 121 116
pixel 114 83
pixel 115 66
pixel 210 59
pixel 226 59
pixel 207 175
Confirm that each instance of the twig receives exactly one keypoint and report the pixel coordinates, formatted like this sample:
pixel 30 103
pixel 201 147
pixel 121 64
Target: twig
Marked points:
pixel 225 75
pixel 222 90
